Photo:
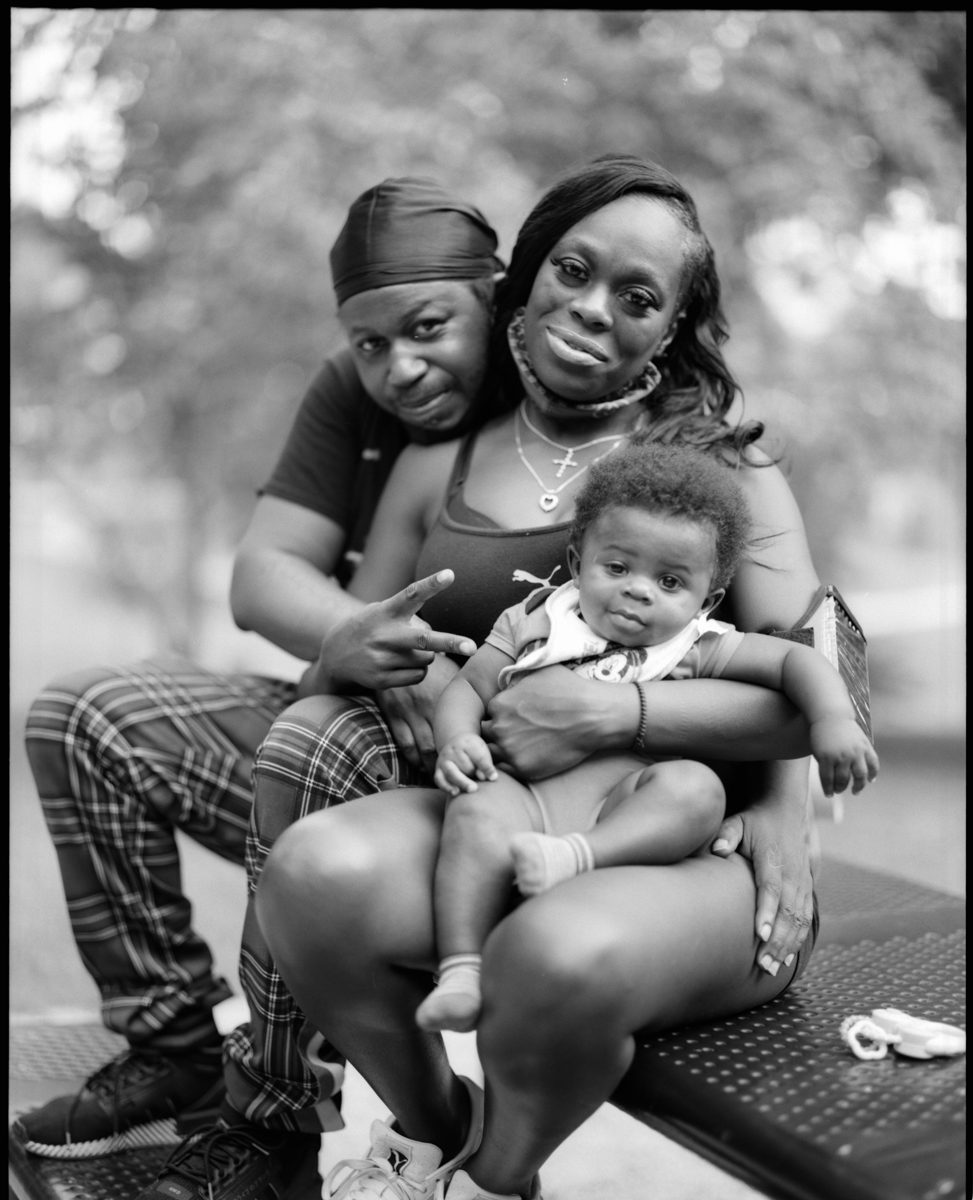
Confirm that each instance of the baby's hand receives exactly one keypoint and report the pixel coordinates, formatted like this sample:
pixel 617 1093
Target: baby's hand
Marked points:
pixel 844 754
pixel 461 762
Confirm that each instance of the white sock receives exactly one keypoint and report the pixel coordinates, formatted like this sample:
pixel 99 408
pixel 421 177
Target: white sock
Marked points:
pixel 455 1001
pixel 541 861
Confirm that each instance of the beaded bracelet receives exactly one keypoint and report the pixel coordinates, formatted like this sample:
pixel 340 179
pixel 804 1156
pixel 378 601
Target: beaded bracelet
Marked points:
pixel 638 745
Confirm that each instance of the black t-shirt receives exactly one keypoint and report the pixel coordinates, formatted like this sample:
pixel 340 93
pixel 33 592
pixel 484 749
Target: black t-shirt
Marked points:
pixel 338 456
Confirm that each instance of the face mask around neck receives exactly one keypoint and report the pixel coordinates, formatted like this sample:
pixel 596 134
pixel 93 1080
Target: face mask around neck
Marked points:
pixel 636 389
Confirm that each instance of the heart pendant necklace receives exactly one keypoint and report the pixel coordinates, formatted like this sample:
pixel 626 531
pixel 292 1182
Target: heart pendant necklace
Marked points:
pixel 549 500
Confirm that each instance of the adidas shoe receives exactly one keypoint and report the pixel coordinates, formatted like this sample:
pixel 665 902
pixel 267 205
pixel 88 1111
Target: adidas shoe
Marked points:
pixel 398 1168
pixel 240 1162
pixel 133 1101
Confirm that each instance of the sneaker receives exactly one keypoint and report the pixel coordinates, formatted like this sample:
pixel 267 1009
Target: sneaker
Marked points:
pixel 461 1187
pixel 240 1162
pixel 131 1102
pixel 398 1168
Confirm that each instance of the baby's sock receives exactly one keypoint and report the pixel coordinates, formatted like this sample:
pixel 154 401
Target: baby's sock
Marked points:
pixel 541 861
pixel 455 1001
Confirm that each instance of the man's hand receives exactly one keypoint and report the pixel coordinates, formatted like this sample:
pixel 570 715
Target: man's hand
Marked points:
pixel 462 761
pixel 385 645
pixel 550 720
pixel 408 712
pixel 773 834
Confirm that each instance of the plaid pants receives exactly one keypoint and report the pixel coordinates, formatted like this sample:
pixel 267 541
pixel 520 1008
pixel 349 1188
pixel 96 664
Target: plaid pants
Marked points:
pixel 124 757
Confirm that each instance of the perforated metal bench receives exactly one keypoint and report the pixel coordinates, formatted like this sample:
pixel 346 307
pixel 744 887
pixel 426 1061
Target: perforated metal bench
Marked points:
pixel 776 1098
pixel 773 1097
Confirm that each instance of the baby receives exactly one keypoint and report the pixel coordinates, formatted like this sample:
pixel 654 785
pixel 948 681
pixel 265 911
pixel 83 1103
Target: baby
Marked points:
pixel 657 535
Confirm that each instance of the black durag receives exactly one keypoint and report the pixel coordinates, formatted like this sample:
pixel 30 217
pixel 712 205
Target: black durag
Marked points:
pixel 410 230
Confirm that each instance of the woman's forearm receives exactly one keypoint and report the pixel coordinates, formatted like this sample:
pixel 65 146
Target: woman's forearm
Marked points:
pixel 552 719
pixel 721 719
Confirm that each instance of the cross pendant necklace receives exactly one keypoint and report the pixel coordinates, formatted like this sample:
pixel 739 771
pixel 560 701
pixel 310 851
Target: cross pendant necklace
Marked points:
pixel 549 500
pixel 568 460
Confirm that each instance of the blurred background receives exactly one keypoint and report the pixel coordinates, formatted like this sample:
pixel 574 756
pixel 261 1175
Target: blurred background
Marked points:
pixel 178 178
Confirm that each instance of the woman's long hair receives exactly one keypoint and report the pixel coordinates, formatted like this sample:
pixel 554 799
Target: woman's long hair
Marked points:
pixel 697 389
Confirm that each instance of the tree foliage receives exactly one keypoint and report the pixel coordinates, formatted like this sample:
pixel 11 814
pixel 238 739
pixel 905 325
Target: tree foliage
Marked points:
pixel 168 313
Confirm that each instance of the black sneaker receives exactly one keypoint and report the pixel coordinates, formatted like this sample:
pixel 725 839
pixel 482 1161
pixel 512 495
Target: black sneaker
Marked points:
pixel 141 1098
pixel 240 1162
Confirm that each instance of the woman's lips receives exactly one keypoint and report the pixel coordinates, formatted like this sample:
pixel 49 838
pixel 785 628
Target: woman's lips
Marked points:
pixel 572 348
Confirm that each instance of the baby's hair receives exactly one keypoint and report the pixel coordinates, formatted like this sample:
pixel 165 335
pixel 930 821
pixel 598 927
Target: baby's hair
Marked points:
pixel 678 481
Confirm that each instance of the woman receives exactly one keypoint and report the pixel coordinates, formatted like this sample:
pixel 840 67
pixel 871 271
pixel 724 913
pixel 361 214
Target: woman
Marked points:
pixel 620 330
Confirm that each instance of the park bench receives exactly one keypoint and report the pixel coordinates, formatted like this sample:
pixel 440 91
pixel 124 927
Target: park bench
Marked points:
pixel 773 1097
pixel 776 1098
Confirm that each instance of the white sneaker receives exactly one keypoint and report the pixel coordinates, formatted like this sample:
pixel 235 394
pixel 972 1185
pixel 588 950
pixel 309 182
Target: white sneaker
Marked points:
pixel 461 1187
pixel 398 1168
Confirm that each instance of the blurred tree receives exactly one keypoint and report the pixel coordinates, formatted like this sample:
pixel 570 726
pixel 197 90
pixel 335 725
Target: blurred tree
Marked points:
pixel 170 288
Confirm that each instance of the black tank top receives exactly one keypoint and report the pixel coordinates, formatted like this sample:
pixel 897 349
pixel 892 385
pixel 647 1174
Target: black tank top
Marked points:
pixel 494 567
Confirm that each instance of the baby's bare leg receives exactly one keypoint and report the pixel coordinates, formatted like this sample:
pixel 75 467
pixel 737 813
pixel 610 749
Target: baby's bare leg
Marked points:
pixel 473 889
pixel 661 814
pixel 658 814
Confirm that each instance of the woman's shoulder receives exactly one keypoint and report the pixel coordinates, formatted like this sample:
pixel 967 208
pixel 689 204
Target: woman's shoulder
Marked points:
pixel 760 474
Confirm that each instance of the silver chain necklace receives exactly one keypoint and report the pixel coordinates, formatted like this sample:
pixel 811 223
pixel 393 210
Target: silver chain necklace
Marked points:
pixel 549 498
pixel 568 460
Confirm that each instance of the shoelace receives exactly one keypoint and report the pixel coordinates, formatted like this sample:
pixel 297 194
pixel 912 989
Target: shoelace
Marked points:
pixel 132 1066
pixel 212 1154
pixel 370 1177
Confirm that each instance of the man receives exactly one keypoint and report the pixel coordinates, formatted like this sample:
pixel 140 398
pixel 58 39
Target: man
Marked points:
pixel 123 758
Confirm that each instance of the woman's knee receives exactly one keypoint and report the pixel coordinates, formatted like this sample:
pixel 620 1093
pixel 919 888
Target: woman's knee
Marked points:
pixel 354 881
pixel 318 865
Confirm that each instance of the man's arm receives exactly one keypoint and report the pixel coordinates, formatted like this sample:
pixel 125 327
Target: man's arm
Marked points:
pixel 283 585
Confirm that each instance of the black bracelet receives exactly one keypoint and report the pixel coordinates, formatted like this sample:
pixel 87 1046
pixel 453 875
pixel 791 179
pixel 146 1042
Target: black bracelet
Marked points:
pixel 639 744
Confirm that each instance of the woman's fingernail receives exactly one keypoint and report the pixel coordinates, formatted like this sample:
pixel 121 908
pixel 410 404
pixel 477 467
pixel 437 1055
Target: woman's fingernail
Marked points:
pixel 764 932
pixel 788 960
pixel 769 965
pixel 721 844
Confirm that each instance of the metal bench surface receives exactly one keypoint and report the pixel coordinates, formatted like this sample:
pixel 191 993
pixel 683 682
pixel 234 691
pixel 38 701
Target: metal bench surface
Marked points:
pixel 776 1098
pixel 772 1096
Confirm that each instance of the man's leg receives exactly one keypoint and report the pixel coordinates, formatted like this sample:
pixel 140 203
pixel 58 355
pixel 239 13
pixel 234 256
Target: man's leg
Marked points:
pixel 322 751
pixel 121 759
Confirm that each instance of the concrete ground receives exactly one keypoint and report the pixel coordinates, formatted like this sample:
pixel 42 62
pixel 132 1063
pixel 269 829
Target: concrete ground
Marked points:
pixel 911 822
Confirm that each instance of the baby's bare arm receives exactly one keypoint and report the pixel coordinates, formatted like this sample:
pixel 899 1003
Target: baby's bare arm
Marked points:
pixel 463 755
pixel 842 749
